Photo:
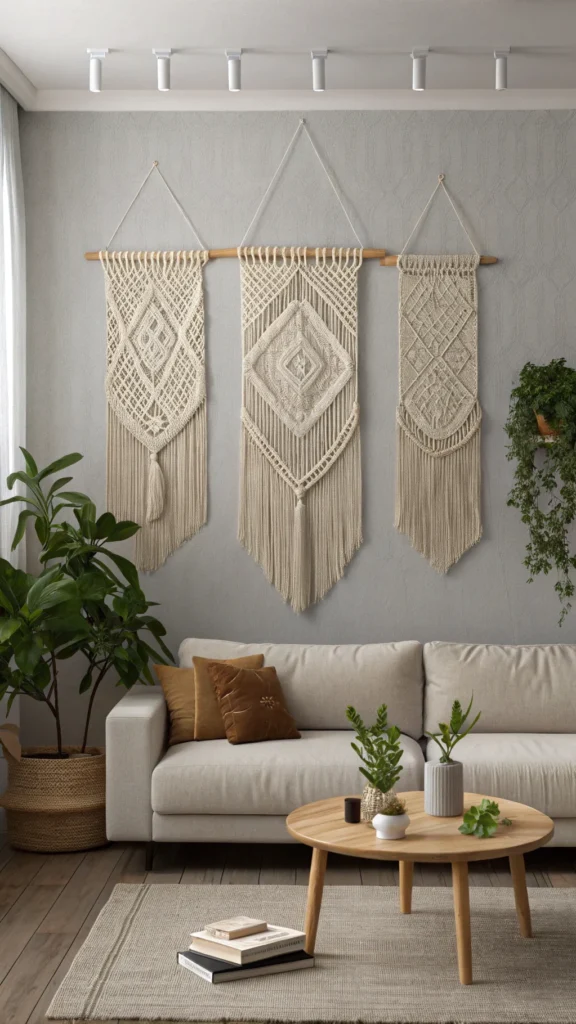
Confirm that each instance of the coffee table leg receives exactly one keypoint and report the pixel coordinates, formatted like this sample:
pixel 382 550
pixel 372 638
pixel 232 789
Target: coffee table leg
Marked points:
pixel 315 889
pixel 406 877
pixel 462 917
pixel 518 871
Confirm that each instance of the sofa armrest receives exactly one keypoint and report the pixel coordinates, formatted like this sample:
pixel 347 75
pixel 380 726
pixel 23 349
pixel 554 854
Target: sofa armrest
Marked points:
pixel 135 742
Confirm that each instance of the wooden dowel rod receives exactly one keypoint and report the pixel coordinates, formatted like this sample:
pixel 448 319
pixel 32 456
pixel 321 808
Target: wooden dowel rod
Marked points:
pixel 392 261
pixel 228 254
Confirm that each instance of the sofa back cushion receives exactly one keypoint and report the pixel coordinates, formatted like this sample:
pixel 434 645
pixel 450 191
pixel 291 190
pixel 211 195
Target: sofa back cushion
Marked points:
pixel 517 689
pixel 319 681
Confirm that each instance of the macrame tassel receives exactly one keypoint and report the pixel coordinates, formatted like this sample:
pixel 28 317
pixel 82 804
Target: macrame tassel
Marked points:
pixel 300 559
pixel 155 502
pixel 438 492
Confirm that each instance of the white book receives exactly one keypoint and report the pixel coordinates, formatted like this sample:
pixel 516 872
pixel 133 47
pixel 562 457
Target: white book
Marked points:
pixel 249 948
pixel 216 971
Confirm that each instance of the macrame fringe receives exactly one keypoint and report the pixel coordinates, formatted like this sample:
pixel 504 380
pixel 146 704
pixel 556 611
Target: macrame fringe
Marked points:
pixel 135 484
pixel 302 544
pixel 438 490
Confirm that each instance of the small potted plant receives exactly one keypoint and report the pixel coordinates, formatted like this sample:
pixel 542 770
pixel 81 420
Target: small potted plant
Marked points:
pixel 392 821
pixel 444 779
pixel 379 748
pixel 85 601
pixel 541 427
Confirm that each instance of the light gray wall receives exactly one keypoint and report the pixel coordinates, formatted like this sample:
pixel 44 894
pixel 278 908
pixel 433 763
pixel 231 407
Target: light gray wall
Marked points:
pixel 515 177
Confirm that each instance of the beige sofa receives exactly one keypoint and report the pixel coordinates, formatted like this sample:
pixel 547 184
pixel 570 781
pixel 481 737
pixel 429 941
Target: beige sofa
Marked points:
pixel 524 747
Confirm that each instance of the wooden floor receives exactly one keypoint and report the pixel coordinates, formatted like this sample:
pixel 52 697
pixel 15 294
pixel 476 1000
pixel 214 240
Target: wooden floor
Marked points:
pixel 48 903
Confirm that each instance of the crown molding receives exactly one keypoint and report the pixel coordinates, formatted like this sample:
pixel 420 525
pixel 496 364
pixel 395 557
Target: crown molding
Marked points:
pixel 16 83
pixel 277 100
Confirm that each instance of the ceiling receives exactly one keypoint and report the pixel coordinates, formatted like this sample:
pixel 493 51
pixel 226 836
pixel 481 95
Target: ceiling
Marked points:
pixel 44 44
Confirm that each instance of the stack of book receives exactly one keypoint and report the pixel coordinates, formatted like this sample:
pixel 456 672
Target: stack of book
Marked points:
pixel 243 947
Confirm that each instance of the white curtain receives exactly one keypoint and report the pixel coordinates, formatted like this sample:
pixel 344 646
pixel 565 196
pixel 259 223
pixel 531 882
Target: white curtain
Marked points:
pixel 12 319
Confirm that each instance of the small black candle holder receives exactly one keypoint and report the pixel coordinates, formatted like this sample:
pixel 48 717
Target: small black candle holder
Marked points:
pixel 352 809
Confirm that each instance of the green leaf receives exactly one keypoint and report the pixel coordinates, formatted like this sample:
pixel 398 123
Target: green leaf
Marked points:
pixel 28 653
pixel 8 627
pixel 86 681
pixel 58 484
pixel 93 586
pixel 128 570
pixel 74 497
pixel 21 526
pixel 104 525
pixel 18 475
pixel 10 501
pixel 42 529
pixel 505 821
pixel 31 466
pixel 63 463
pixel 123 530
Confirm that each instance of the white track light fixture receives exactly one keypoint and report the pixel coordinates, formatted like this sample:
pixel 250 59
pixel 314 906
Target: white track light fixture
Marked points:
pixel 163 62
pixel 419 69
pixel 96 58
pixel 234 58
pixel 501 68
pixel 319 70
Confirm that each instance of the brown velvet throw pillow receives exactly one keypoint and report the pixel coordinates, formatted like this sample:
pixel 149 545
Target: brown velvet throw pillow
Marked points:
pixel 178 687
pixel 252 704
pixel 208 724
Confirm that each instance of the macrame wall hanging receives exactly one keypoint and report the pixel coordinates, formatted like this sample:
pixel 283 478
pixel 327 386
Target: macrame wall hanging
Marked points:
pixel 301 491
pixel 155 386
pixel 439 415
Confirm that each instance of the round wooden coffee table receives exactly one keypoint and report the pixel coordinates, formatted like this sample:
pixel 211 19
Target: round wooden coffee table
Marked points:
pixel 322 826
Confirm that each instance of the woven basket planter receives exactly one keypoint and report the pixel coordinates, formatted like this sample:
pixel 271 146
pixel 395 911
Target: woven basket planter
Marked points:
pixel 56 804
pixel 373 800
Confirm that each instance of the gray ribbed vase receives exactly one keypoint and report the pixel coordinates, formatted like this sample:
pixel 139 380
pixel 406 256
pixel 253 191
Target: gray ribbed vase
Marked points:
pixel 443 789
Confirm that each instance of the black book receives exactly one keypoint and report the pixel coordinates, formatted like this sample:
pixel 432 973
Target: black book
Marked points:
pixel 215 971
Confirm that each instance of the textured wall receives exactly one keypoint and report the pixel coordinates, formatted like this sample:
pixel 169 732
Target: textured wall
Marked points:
pixel 515 176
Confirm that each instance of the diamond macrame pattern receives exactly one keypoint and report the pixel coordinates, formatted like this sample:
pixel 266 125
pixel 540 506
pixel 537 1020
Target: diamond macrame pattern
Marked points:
pixel 155 380
pixel 298 366
pixel 439 379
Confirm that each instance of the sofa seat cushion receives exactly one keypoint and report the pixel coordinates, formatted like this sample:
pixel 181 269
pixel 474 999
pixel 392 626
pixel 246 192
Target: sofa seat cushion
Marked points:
pixel 535 769
pixel 272 777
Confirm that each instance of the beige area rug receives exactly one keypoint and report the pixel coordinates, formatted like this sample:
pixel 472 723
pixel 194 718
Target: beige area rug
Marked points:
pixel 373 963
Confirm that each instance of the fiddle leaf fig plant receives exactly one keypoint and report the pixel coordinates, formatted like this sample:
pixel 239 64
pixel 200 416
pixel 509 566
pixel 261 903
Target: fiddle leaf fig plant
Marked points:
pixel 544 489
pixel 86 599
pixel 450 733
pixel 379 749
pixel 483 820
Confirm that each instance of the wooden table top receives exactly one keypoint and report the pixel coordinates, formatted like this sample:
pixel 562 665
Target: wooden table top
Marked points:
pixel 427 838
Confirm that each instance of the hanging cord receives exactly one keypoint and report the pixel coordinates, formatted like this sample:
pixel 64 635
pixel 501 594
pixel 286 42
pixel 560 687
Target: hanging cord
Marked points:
pixel 425 211
pixel 274 179
pixel 155 167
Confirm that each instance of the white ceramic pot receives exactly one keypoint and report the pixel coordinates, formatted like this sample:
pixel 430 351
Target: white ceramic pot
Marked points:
pixel 390 826
pixel 443 789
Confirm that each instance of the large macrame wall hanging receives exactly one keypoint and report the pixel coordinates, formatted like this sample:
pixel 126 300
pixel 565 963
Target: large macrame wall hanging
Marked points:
pixel 155 386
pixel 301 494
pixel 439 415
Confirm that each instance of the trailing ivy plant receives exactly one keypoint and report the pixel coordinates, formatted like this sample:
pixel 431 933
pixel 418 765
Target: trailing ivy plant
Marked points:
pixel 379 749
pixel 86 599
pixel 544 487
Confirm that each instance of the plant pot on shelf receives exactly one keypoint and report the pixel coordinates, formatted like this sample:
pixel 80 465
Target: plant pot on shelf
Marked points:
pixel 443 789
pixel 544 428
pixel 390 826
pixel 55 804
pixel 373 800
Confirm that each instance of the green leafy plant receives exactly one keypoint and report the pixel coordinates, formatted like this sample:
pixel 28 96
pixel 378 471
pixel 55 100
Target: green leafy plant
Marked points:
pixel 379 749
pixel 86 599
pixel 482 821
pixel 544 487
pixel 453 731
pixel 394 806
